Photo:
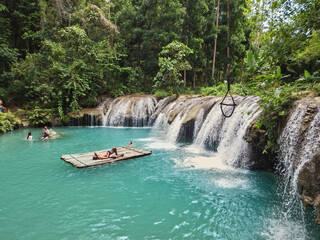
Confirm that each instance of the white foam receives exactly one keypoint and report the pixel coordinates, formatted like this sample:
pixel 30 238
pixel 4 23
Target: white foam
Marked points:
pixel 284 229
pixel 161 145
pixel 231 183
pixel 205 162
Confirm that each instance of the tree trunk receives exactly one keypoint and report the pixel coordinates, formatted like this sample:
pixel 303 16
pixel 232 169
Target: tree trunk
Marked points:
pixel 242 67
pixel 185 78
pixel 215 41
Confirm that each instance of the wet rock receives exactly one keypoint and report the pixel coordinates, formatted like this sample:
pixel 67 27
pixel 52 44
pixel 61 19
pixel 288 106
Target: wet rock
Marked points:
pixel 261 160
pixel 309 183
pixel 312 109
pixel 86 117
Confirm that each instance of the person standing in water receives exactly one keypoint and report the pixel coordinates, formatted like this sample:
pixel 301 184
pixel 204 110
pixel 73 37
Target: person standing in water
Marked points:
pixel 29 137
pixel 45 133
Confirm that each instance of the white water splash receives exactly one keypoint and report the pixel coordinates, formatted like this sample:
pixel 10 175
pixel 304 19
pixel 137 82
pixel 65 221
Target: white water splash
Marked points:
pixel 205 162
pixel 280 229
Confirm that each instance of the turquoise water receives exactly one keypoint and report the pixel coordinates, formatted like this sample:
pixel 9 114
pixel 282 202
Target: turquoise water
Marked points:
pixel 174 193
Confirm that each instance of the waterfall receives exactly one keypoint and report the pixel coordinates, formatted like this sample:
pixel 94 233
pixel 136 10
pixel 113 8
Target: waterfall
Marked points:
pixel 233 149
pixel 226 135
pixel 129 111
pixel 208 135
pixel 142 110
pixel 298 142
pixel 200 119
pixel 181 116
pixel 311 143
pixel 115 116
pixel 288 142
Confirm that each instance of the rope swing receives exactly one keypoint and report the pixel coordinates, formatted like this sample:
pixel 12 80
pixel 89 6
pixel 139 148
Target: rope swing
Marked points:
pixel 228 104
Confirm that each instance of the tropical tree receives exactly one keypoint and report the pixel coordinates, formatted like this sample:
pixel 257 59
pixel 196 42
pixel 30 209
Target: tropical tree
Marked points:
pixel 172 60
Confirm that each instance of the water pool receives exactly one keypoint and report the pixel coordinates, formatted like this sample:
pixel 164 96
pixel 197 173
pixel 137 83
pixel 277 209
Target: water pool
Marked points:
pixel 175 193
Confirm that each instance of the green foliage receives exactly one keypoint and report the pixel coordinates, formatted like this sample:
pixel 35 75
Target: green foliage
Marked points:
pixel 311 52
pixel 162 94
pixel 172 60
pixel 8 121
pixel 221 89
pixel 316 89
pixel 38 116
pixel 218 90
pixel 134 81
pixel 275 105
pixel 275 101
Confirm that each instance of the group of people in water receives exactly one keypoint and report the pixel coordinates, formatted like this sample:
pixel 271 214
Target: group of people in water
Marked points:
pixel 45 134
pixel 111 153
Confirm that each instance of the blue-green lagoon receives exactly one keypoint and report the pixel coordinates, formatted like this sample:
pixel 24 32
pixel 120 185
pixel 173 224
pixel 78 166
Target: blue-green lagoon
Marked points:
pixel 177 192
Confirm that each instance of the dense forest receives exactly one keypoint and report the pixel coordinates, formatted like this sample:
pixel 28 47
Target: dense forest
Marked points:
pixel 57 56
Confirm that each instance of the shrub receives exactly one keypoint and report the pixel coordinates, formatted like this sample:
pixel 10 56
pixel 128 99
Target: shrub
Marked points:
pixel 8 121
pixel 38 116
pixel 162 94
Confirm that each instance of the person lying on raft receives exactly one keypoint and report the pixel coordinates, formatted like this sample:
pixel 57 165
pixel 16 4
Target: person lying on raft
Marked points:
pixel 109 154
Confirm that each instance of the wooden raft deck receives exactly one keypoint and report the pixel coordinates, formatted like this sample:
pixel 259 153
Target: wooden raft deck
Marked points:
pixel 84 160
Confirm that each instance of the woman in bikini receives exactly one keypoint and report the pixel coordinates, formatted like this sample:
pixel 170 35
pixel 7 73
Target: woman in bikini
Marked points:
pixel 108 154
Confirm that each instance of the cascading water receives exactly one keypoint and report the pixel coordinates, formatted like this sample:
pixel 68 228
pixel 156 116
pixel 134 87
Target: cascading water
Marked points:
pixel 115 116
pixel 129 111
pixel 226 135
pixel 311 143
pixel 233 149
pixel 208 135
pixel 298 142
pixel 211 130
pixel 178 114
pixel 288 142
pixel 141 111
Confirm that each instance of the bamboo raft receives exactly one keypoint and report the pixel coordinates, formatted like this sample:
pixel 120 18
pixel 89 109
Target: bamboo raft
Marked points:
pixel 85 160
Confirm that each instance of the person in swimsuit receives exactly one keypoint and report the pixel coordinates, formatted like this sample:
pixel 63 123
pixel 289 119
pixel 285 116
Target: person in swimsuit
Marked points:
pixel 45 133
pixel 1 106
pixel 29 137
pixel 109 154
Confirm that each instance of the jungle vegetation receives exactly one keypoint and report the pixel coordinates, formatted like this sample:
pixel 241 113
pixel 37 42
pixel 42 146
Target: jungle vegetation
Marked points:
pixel 59 55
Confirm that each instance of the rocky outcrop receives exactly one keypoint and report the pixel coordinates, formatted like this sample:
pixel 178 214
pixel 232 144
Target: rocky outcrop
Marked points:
pixel 86 117
pixel 188 123
pixel 256 137
pixel 309 183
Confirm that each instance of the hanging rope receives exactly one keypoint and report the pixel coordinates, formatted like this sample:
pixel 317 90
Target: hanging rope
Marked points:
pixel 228 104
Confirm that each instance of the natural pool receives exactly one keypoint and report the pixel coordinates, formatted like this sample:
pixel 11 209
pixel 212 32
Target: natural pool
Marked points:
pixel 177 192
